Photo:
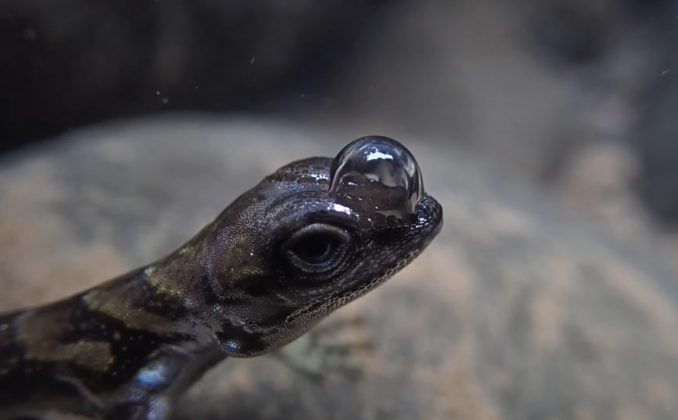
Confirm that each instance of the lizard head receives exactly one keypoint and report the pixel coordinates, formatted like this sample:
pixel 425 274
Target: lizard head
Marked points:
pixel 313 236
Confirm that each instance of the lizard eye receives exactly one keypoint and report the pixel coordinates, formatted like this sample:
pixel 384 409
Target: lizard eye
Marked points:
pixel 317 248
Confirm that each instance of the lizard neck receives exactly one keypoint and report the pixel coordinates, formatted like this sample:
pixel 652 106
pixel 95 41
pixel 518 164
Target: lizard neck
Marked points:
pixel 143 331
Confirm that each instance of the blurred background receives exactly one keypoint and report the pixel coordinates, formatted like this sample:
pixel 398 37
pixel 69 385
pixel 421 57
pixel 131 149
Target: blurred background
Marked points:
pixel 547 128
pixel 538 87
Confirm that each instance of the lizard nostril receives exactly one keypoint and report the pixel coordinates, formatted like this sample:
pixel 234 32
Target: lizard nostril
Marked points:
pixel 381 170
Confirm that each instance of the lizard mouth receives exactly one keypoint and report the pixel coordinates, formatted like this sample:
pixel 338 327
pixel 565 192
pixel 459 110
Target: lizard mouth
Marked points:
pixel 429 215
pixel 429 222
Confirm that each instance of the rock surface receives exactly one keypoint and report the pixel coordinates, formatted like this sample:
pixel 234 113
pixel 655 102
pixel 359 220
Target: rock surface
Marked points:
pixel 519 310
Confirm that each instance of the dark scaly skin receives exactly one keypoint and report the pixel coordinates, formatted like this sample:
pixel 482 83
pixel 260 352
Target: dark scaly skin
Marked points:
pixel 129 347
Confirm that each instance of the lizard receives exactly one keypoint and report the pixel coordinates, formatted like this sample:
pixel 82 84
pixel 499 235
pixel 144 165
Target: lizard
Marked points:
pixel 309 238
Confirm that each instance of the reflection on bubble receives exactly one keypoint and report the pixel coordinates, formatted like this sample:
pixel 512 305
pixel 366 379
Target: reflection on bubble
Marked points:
pixel 378 172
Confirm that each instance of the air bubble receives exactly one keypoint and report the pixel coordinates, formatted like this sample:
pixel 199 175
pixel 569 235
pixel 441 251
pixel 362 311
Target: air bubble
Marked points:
pixel 378 170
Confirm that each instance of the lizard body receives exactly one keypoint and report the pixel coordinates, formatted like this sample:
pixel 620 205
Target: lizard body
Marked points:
pixel 308 239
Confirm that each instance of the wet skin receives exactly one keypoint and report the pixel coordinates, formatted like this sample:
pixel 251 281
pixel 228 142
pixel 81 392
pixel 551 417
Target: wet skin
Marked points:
pixel 309 238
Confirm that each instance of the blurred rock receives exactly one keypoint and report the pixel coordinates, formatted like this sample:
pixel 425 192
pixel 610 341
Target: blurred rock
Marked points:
pixel 519 310
pixel 598 183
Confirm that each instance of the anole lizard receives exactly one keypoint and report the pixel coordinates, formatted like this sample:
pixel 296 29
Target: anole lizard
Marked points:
pixel 309 238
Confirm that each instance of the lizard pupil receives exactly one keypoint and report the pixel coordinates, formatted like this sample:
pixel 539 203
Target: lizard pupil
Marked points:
pixel 315 248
